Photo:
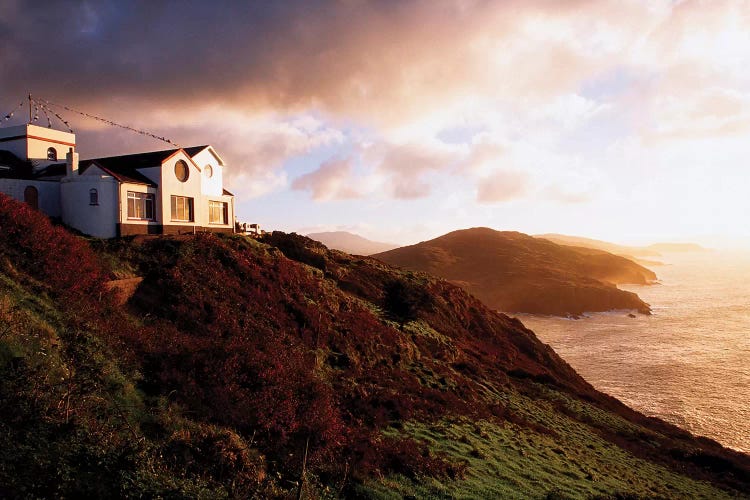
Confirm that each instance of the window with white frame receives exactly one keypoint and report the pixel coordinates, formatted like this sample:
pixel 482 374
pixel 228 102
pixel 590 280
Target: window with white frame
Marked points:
pixel 182 209
pixel 140 205
pixel 218 212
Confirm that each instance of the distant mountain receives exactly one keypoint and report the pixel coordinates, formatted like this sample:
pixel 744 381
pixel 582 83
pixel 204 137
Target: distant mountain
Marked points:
pixel 626 251
pixel 515 272
pixel 579 241
pixel 351 243
pixel 676 247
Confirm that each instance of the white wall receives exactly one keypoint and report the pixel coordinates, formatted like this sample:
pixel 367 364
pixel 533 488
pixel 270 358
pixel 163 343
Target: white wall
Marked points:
pixel 213 185
pixel 42 138
pixel 191 188
pixel 35 141
pixel 95 220
pixel 15 146
pixel 49 193
pixel 212 188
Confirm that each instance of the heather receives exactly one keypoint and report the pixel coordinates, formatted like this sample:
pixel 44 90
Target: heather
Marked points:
pixel 237 364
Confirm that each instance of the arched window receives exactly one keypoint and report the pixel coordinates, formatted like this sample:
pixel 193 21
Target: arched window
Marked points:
pixel 52 154
pixel 93 197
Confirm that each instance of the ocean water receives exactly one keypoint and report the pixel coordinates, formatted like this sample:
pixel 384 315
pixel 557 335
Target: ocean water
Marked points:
pixel 688 363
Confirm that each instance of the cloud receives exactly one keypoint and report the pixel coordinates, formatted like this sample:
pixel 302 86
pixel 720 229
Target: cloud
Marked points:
pixel 259 184
pixel 567 196
pixel 405 168
pixel 270 82
pixel 331 181
pixel 384 62
pixel 485 151
pixel 713 112
pixel 502 186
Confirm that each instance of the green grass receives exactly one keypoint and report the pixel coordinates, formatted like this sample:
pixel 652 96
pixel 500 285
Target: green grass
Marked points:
pixel 509 461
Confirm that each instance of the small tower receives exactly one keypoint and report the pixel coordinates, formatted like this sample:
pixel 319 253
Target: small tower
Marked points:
pixel 39 144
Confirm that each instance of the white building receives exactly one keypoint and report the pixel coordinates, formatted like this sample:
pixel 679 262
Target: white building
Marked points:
pixel 174 191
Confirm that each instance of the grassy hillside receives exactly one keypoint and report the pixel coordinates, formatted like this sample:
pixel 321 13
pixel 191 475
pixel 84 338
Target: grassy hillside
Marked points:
pixel 234 360
pixel 515 272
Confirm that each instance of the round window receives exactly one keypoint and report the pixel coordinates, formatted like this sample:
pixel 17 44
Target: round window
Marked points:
pixel 209 171
pixel 181 170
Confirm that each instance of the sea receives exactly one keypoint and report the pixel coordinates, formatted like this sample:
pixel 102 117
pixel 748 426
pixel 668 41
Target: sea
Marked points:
pixel 689 362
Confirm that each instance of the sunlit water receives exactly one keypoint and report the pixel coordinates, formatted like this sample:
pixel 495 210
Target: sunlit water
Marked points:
pixel 688 363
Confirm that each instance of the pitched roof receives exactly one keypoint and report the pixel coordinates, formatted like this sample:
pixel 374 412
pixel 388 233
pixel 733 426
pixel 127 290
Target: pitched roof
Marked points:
pixel 194 150
pixel 124 168
pixel 13 167
pixel 52 170
pixel 134 161
pixel 121 172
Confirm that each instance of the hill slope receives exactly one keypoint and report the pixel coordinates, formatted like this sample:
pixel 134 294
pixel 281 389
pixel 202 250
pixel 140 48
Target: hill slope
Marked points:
pixel 233 360
pixel 350 243
pixel 514 272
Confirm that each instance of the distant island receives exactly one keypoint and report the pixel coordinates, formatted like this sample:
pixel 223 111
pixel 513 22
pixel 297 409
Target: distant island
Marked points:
pixel 630 252
pixel 350 242
pixel 514 272
pixel 677 247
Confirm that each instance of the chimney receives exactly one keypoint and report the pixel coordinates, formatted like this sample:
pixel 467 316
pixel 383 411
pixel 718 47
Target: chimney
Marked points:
pixel 72 162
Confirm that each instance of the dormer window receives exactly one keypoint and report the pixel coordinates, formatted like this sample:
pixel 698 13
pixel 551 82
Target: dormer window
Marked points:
pixel 52 154
pixel 209 171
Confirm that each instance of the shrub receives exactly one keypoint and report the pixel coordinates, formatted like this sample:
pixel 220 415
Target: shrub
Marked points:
pixel 50 254
pixel 402 300
pixel 298 248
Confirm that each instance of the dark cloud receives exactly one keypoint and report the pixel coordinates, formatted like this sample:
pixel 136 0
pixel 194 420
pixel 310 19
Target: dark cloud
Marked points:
pixel 82 50
pixel 369 57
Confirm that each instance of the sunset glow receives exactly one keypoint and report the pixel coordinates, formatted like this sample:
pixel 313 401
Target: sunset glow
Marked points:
pixel 620 120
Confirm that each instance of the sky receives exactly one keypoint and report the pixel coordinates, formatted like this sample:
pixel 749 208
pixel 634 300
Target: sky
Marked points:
pixel 622 120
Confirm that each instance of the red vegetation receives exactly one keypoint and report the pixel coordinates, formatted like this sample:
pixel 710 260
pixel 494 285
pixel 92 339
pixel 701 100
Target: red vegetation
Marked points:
pixel 248 338
pixel 61 261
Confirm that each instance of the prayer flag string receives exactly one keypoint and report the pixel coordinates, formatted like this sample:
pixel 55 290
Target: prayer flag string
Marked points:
pixel 46 107
pixel 70 129
pixel 49 120
pixel 10 115
pixel 108 122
